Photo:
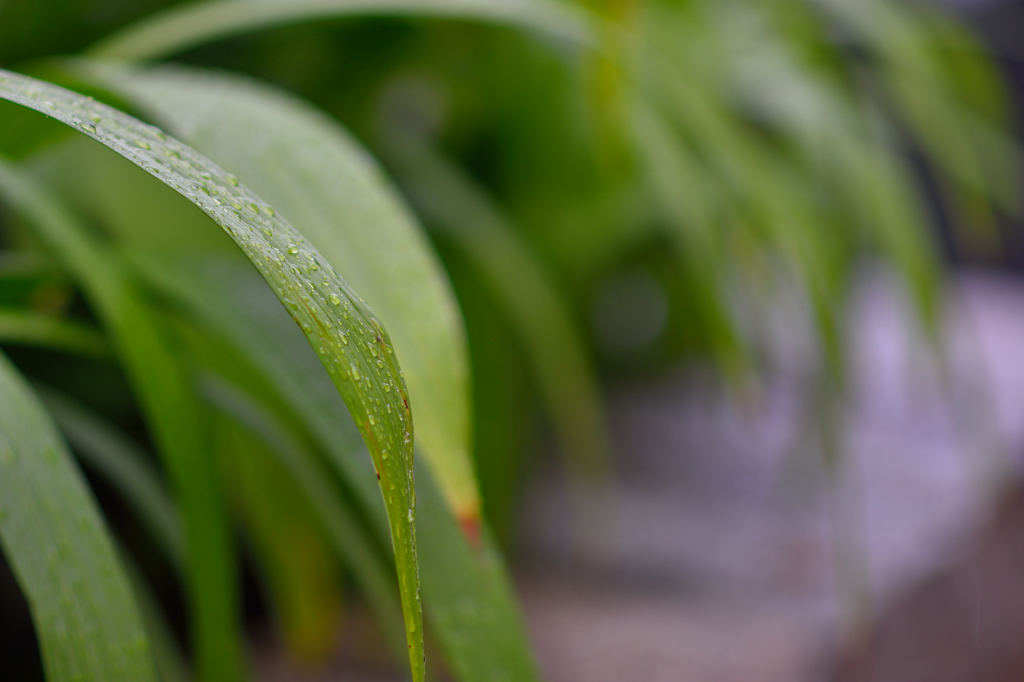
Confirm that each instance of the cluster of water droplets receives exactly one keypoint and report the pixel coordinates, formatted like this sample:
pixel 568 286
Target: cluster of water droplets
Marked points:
pixel 351 343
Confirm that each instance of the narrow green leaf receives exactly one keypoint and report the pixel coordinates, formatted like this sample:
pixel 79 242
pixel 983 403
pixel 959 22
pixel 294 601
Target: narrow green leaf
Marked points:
pixel 112 455
pixel 693 206
pixel 167 654
pixel 48 331
pixel 352 344
pixel 54 538
pixel 337 519
pixel 181 28
pixel 560 362
pixel 467 596
pixel 300 575
pixel 239 390
pixel 172 412
pixel 334 194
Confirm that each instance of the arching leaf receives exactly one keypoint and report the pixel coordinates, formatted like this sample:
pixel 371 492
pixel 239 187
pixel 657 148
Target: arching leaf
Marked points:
pixel 52 534
pixel 352 344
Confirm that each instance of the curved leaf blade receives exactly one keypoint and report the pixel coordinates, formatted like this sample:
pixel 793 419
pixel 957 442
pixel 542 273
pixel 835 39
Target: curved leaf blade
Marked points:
pixel 172 412
pixel 181 28
pixel 300 576
pixel 467 595
pixel 334 193
pixel 55 540
pixel 48 331
pixel 117 459
pixel 560 362
pixel 353 346
pixel 348 539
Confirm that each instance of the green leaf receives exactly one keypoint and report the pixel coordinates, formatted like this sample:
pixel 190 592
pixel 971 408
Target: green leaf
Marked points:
pixel 167 654
pixel 48 331
pixel 467 596
pixel 338 520
pixel 352 344
pixel 982 159
pixel 334 193
pixel 172 412
pixel 560 363
pixel 112 455
pixel 180 28
pixel 300 575
pixel 52 534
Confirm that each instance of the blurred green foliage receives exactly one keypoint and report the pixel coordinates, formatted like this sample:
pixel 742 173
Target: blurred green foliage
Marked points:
pixel 605 189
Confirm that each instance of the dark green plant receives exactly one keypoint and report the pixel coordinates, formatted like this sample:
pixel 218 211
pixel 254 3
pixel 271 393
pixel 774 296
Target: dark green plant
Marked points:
pixel 717 148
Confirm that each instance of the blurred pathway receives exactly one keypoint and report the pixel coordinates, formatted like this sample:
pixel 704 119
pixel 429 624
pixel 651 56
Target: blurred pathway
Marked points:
pixel 718 564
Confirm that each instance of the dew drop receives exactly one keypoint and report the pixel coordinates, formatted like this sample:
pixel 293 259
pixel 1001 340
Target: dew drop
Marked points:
pixel 173 153
pixel 88 127
pixel 373 351
pixel 384 454
pixel 344 337
pixel 354 371
pixel 389 408
pixel 271 212
pixel 142 144
pixel 380 363
pixel 408 436
pixel 232 180
pixel 373 421
pixel 335 299
pixel 292 249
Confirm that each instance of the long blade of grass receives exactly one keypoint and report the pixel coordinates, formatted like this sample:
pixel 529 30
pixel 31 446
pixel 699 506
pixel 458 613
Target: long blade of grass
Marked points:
pixel 49 331
pixel 467 596
pixel 54 538
pixel 562 367
pixel 353 346
pixel 170 660
pixel 239 390
pixel 337 519
pixel 111 454
pixel 181 28
pixel 300 575
pixel 172 412
pixel 338 198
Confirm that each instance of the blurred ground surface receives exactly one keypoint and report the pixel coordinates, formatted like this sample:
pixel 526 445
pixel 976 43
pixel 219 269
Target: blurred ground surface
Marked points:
pixel 717 560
